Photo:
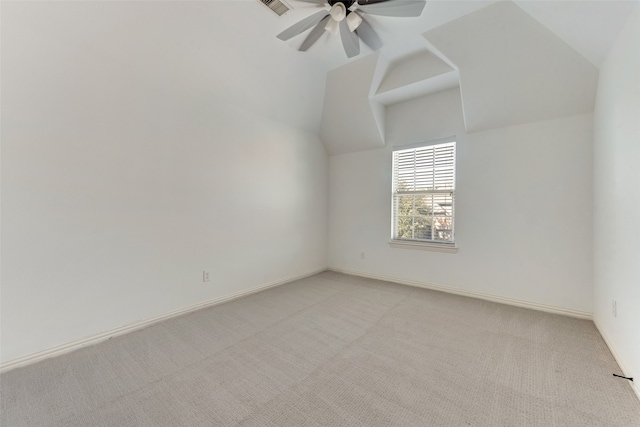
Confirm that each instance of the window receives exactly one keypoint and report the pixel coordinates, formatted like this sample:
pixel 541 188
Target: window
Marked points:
pixel 424 193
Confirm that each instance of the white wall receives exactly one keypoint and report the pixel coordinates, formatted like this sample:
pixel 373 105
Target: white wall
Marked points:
pixel 523 207
pixel 616 255
pixel 122 181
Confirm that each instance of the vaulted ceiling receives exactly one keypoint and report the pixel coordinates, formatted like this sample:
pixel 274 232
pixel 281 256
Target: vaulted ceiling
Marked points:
pixel 511 69
pixel 226 53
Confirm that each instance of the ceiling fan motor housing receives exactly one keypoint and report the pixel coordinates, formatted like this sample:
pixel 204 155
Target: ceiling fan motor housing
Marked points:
pixel 346 3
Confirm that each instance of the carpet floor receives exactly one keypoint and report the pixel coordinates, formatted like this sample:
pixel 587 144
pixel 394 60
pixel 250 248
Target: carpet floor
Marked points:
pixel 334 350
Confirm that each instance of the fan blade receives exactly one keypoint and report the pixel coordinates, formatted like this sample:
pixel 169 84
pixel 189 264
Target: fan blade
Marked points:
pixel 398 8
pixel 314 35
pixel 350 40
pixel 302 26
pixel 366 32
pixel 364 2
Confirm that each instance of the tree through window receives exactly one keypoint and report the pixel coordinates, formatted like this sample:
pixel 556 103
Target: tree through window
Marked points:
pixel 423 192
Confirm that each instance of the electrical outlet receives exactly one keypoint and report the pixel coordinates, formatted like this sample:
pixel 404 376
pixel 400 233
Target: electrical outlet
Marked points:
pixel 206 276
pixel 614 308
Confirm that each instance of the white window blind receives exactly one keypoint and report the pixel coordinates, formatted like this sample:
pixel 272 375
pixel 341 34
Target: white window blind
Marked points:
pixel 424 193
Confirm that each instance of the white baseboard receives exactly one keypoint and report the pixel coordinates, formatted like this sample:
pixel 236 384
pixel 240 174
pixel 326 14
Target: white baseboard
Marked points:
pixel 103 336
pixel 616 355
pixel 488 297
pixel 509 301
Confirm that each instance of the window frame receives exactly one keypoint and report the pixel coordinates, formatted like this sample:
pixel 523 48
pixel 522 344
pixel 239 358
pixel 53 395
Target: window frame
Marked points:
pixel 423 244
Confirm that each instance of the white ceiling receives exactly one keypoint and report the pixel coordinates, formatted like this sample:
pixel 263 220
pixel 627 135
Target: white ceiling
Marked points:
pixel 512 69
pixel 227 51
pixel 589 27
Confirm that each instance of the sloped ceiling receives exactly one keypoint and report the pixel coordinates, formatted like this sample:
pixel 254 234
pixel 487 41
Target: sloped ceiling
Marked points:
pixel 213 52
pixel 590 27
pixel 354 114
pixel 349 122
pixel 418 74
pixel 513 69
pixel 226 52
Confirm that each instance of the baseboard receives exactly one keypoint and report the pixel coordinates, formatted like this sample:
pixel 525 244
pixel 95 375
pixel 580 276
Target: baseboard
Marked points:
pixel 495 298
pixel 103 336
pixel 619 360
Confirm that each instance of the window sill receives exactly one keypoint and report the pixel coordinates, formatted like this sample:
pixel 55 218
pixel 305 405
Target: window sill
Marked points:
pixel 424 246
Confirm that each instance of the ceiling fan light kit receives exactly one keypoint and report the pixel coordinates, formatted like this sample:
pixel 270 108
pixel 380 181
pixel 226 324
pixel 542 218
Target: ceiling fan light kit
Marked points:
pixel 338 11
pixel 342 17
pixel 332 26
pixel 353 21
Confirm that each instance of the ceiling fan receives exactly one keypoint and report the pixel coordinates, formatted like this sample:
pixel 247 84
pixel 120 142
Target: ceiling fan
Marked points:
pixel 345 16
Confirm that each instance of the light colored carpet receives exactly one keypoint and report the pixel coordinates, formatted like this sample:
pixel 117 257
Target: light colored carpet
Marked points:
pixel 334 350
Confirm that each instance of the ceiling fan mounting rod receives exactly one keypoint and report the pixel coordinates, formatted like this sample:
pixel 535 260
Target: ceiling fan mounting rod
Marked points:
pixel 347 3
